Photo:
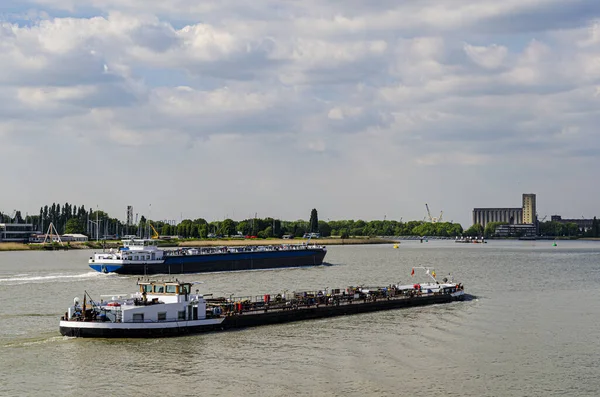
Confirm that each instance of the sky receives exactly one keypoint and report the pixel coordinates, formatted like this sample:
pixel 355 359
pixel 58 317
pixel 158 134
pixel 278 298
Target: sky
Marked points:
pixel 360 109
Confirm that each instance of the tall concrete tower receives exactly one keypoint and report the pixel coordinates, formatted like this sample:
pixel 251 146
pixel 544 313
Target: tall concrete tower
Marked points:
pixel 129 215
pixel 529 208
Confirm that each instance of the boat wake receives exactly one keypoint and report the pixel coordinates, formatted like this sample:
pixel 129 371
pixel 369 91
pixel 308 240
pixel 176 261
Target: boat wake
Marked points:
pixel 33 341
pixel 7 316
pixel 40 279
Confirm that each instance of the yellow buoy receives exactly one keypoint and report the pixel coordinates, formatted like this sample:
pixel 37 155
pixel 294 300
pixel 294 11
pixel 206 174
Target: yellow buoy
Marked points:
pixel 395 246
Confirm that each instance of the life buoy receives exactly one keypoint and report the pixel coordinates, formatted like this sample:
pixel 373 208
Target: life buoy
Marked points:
pixel 115 304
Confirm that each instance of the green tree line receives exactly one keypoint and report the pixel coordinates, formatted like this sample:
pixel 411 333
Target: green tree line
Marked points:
pixel 559 229
pixel 68 218
pixel 270 227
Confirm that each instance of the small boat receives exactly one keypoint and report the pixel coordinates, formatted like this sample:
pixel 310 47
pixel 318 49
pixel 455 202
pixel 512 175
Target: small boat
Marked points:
pixel 171 308
pixel 144 257
pixel 470 240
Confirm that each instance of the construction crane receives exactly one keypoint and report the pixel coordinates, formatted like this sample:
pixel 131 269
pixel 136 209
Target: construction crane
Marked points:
pixel 432 219
pixel 155 234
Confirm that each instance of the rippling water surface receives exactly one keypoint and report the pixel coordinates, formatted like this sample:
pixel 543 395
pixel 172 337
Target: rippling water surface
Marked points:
pixel 532 331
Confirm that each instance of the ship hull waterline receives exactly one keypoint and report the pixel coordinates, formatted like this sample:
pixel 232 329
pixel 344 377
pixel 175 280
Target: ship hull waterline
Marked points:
pixel 217 263
pixel 141 330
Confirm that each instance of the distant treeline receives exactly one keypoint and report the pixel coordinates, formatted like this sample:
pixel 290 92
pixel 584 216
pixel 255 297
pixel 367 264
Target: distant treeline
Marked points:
pixel 70 218
pixel 557 229
pixel 269 227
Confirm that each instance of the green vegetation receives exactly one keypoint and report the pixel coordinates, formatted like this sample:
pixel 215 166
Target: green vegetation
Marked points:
pixel 269 227
pixel 474 231
pixel 72 219
pixel 13 247
pixel 69 219
pixel 74 225
pixel 314 221
pixel 558 229
pixel 490 228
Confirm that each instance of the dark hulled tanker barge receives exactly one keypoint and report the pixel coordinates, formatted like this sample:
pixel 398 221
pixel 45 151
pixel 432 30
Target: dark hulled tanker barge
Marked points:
pixel 161 309
pixel 143 257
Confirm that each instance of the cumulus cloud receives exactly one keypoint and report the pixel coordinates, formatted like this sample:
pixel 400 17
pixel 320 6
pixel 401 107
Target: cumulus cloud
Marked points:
pixel 357 88
pixel 490 57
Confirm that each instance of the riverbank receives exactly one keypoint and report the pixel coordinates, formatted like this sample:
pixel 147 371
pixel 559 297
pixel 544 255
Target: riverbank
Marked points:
pixel 278 241
pixel 14 247
pixel 196 243
pixel 39 247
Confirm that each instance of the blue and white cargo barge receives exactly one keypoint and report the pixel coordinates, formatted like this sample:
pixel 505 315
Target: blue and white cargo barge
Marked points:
pixel 144 257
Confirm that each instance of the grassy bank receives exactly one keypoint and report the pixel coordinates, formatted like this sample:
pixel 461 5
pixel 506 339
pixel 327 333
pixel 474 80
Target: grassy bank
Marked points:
pixel 13 247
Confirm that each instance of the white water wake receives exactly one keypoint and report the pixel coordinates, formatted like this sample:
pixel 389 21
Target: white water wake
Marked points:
pixel 39 279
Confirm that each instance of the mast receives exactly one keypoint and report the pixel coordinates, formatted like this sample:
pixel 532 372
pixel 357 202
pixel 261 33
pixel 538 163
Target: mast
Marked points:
pixel 427 271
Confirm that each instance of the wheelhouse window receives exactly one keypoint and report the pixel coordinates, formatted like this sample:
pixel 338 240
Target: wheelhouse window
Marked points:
pixel 147 288
pixel 138 317
pixel 159 289
pixel 162 316
pixel 171 289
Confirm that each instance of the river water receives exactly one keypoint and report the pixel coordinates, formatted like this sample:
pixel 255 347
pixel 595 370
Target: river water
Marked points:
pixel 532 331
